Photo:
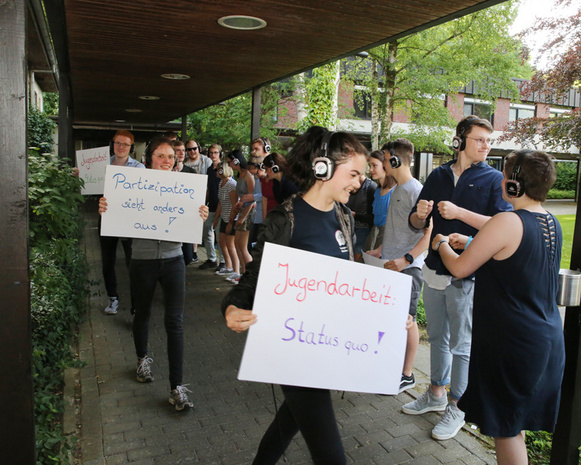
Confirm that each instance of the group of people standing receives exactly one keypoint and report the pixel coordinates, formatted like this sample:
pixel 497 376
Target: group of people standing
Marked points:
pixel 233 208
pixel 489 280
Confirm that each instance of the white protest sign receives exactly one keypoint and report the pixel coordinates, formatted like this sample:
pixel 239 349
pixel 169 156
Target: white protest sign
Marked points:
pixel 327 323
pixel 92 164
pixel 153 204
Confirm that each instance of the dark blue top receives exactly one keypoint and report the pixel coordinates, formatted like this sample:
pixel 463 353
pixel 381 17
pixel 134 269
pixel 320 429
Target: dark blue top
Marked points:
pixel 478 190
pixel 213 185
pixel 518 355
pixel 317 231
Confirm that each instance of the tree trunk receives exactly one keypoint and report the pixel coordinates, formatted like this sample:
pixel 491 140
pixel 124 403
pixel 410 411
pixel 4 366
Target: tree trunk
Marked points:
pixel 375 96
pixel 389 91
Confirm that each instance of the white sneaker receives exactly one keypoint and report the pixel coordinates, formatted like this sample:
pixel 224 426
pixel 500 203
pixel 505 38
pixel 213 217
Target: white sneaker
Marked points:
pixel 450 423
pixel 224 271
pixel 111 309
pixel 234 277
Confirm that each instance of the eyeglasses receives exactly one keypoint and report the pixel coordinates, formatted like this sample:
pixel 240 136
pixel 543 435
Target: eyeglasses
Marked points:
pixel 163 156
pixel 192 149
pixel 480 140
pixel 121 144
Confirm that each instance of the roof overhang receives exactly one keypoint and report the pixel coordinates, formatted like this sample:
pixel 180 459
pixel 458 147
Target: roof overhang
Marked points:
pixel 115 52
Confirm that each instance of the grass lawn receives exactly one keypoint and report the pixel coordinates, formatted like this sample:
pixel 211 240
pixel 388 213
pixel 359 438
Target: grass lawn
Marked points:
pixel 568 226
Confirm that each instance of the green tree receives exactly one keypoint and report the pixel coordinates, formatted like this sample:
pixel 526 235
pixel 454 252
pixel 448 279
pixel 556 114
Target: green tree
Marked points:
pixel 319 91
pixel 562 53
pixel 414 73
pixel 228 123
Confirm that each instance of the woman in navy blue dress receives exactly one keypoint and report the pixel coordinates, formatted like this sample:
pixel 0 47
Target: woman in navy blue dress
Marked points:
pixel 517 356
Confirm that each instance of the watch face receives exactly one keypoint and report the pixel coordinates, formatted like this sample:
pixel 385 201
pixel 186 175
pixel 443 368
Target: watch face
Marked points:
pixel 409 258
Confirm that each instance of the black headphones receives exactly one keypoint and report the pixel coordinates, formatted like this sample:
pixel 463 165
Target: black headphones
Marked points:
pixel 323 166
pixel 270 163
pixel 459 141
pixel 394 160
pixel 112 148
pixel 266 145
pixel 234 159
pixel 515 186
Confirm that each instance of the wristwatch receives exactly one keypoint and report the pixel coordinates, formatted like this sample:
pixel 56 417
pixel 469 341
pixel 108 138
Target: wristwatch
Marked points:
pixel 409 257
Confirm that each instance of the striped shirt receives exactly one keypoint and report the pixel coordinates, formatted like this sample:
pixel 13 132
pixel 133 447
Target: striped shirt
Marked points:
pixel 224 198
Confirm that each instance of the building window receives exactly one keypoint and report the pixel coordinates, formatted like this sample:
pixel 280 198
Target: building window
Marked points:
pixel 520 112
pixel 482 110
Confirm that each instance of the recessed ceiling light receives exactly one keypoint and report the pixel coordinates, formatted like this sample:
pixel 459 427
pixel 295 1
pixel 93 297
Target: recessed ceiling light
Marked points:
pixel 175 76
pixel 242 23
pixel 120 121
pixel 133 110
pixel 149 97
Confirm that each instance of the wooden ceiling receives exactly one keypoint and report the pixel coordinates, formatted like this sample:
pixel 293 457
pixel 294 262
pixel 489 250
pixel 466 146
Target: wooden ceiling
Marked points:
pixel 118 49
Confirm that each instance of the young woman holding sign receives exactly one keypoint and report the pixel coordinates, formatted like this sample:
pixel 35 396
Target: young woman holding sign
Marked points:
pixel 156 261
pixel 328 167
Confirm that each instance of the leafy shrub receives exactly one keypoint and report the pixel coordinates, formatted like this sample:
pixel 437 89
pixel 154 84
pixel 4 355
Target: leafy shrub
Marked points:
pixel 559 194
pixel 566 176
pixel 58 275
pixel 40 130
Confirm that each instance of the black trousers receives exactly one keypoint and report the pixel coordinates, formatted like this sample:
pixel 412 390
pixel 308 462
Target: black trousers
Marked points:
pixel 309 411
pixel 171 275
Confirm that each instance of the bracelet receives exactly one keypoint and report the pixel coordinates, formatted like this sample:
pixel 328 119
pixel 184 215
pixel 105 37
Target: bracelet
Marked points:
pixel 468 242
pixel 440 243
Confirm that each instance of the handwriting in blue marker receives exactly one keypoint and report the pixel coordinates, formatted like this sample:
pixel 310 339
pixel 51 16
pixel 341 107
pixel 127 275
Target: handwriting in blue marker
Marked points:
pixel 144 185
pixel 138 204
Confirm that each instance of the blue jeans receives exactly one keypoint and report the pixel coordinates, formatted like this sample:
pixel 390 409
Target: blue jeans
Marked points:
pixel 171 274
pixel 309 411
pixel 449 318
pixel 209 237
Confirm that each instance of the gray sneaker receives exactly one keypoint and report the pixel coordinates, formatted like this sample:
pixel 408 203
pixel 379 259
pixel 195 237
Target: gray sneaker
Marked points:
pixel 450 423
pixel 178 397
pixel 427 402
pixel 144 374
pixel 111 309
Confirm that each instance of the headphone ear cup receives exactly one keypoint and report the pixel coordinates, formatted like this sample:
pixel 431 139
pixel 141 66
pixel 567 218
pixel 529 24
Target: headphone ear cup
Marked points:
pixel 323 168
pixel 513 188
pixel 275 169
pixel 458 143
pixel 394 161
pixel 132 149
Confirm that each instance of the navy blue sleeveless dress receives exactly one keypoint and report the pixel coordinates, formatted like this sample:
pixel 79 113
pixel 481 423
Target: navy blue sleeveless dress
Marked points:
pixel 518 355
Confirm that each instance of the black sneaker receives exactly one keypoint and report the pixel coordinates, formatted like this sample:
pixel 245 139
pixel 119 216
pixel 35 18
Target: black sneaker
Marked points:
pixel 144 374
pixel 220 266
pixel 407 382
pixel 207 264
pixel 178 397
